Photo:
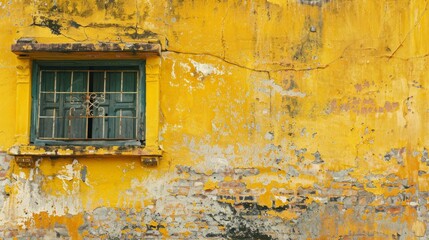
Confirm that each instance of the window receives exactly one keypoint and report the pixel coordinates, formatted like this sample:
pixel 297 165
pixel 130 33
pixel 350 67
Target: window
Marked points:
pixel 88 103
pixel 87 107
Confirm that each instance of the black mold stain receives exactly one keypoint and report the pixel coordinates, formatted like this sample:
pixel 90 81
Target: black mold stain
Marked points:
pixel 55 8
pixel 113 8
pixel 134 33
pixel 245 232
pixel 53 25
pixel 104 4
pixel 387 157
pixel 103 25
pixel 311 39
pixel 238 227
pixel 290 105
pixel 74 24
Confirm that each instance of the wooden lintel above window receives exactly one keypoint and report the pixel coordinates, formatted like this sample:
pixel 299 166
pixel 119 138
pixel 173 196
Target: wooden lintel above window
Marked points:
pixel 33 49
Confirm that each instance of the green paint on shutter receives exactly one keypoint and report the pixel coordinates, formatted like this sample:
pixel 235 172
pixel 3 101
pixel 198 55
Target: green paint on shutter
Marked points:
pixel 74 112
pixel 59 95
pixel 48 105
pixel 121 105
pixel 98 82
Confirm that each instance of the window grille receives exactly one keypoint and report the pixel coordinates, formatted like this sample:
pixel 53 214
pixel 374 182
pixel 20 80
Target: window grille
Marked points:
pixel 89 104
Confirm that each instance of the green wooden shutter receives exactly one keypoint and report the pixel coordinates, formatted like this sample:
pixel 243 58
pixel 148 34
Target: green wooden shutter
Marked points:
pixel 101 109
pixel 120 106
pixel 116 110
pixel 61 111
pixel 75 121
pixel 48 105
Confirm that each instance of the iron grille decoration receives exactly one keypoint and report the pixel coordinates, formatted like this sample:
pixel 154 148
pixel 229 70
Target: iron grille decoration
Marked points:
pixel 88 104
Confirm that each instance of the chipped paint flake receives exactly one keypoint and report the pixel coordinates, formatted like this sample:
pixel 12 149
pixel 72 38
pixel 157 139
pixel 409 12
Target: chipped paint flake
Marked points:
pixel 205 69
pixel 278 89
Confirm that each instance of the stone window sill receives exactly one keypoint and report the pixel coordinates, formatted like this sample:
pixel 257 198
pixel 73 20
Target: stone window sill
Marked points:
pixel 26 155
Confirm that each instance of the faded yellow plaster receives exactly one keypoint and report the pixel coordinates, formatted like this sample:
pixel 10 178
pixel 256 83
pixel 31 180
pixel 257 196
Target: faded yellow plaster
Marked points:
pixel 286 215
pixel 210 185
pixel 318 106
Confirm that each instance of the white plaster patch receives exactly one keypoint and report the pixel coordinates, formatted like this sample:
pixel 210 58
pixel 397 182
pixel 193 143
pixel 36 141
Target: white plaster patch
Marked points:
pixel 29 199
pixel 217 163
pixel 185 66
pixel 207 155
pixel 214 158
pixel 281 198
pixel 173 74
pixel 278 89
pixel 174 84
pixel 144 188
pixel 70 176
pixel 321 199
pixel 269 136
pixel 204 69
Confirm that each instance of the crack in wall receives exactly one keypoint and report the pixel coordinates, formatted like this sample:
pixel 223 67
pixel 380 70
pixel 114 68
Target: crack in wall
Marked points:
pixel 401 44
pixel 268 72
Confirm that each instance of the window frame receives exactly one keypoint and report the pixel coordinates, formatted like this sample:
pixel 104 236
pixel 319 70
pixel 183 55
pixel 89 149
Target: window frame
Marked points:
pixel 141 111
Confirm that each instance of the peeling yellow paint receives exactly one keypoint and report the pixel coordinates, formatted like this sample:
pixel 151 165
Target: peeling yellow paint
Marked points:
pixel 210 185
pixel 314 104
pixel 286 215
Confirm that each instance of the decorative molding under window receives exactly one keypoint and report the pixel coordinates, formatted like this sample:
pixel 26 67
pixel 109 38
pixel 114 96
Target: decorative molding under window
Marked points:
pixel 26 156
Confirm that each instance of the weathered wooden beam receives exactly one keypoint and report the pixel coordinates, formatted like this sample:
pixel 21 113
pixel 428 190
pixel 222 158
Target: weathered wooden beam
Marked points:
pixel 26 47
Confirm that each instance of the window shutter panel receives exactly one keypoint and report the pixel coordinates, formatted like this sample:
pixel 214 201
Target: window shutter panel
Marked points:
pixel 48 106
pixel 73 111
pixel 122 104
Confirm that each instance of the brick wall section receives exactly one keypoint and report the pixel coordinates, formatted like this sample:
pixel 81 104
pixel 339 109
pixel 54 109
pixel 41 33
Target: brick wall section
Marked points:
pixel 195 208
pixel 231 210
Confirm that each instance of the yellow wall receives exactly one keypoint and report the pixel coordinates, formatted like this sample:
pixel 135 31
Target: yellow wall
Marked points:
pixel 279 118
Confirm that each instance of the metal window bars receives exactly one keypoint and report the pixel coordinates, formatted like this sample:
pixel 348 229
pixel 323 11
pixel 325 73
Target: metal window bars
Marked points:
pixel 88 104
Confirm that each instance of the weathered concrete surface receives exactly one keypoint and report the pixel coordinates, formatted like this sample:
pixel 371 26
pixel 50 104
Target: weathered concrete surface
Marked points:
pixel 279 120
